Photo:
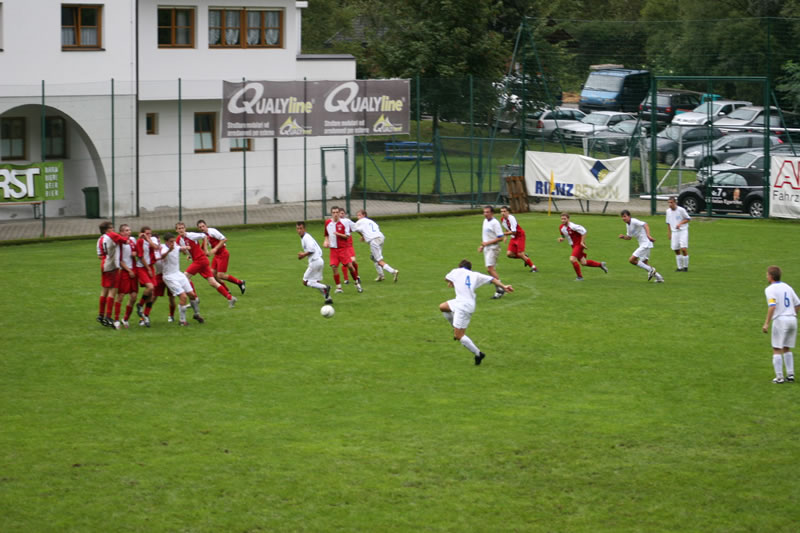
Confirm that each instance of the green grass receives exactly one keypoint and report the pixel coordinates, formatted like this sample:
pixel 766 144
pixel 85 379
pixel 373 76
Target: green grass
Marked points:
pixel 608 405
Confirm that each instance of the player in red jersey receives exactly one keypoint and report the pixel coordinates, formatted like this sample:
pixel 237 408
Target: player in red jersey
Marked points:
pixel 219 265
pixel 335 235
pixel 348 245
pixel 516 246
pixel 145 274
pixel 108 254
pixel 576 236
pixel 127 283
pixel 200 264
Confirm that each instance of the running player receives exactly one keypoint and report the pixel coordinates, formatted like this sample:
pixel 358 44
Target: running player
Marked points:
pixel 575 234
pixel 371 234
pixel 459 310
pixel 640 230
pixel 313 274
pixel 516 246
pixel 490 238
pixel 348 245
pixel 219 265
pixel 335 234
pixel 188 240
pixel 178 283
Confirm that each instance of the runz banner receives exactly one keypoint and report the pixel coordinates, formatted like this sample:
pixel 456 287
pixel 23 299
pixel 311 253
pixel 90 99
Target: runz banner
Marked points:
pixel 314 108
pixel 577 177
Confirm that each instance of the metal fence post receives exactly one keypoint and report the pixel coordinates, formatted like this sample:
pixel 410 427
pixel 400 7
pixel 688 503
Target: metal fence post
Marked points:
pixel 44 202
pixel 113 167
pixel 180 152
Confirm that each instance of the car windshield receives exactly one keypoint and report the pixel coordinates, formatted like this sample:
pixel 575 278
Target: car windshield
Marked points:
pixel 603 82
pixel 743 160
pixel 672 132
pixel 626 126
pixel 744 114
pixel 596 119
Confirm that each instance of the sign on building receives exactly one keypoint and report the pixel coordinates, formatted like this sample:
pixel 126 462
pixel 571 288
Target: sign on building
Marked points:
pixel 577 177
pixel 315 108
pixel 33 182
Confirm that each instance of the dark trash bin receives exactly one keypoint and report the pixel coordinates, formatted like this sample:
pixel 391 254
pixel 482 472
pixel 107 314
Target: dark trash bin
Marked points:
pixel 92 197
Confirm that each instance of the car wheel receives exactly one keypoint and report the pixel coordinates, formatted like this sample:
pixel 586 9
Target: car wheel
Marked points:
pixel 691 203
pixel 670 158
pixel 755 208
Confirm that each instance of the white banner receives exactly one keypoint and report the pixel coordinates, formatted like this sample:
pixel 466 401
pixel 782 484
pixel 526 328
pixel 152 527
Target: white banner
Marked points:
pixel 578 177
pixel 784 187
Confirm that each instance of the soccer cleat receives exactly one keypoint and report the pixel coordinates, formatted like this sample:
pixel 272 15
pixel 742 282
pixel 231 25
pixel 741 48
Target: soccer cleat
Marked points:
pixel 603 267
pixel 170 318
pixel 200 319
pixel 790 378
pixel 358 280
pixel 659 278
pixel 396 273
pixel 651 274
pixel 358 288
pixel 232 301
pixel 678 270
pixel 243 286
pixel 183 323
pixel 497 295
pixel 141 322
pixel 534 269
pixel 117 324
pixel 139 310
pixel 686 269
pixel 125 324
pixel 108 322
pixel 579 278
pixel 347 282
pixel 147 321
pixel 479 358
pixel 778 381
pixel 101 320
pixel 338 290
pixel 379 278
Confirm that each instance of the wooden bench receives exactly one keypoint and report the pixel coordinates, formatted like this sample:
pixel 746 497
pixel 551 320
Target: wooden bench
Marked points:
pixel 408 151
pixel 37 213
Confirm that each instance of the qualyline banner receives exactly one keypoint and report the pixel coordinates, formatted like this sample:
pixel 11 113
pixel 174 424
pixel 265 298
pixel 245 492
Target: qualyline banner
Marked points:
pixel 784 187
pixel 33 182
pixel 311 108
pixel 577 177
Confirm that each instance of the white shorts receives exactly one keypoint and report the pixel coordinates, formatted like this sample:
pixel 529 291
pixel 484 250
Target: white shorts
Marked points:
pixel 314 270
pixel 643 253
pixel 490 255
pixel 784 332
pixel 177 283
pixel 680 239
pixel 376 249
pixel 461 314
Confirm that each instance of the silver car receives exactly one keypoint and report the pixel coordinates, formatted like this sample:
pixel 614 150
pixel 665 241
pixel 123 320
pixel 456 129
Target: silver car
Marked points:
pixel 543 123
pixel 725 148
pixel 716 109
pixel 739 119
pixel 591 124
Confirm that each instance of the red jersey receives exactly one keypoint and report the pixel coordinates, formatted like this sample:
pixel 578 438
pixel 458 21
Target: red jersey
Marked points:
pixel 331 230
pixel 214 237
pixel 195 250
pixel 510 224
pixel 107 250
pixel 572 232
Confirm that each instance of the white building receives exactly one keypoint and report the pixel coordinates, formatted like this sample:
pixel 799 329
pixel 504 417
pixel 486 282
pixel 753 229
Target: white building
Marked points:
pixel 157 141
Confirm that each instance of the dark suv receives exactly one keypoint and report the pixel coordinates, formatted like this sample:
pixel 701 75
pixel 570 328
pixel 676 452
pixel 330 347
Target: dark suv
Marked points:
pixel 670 102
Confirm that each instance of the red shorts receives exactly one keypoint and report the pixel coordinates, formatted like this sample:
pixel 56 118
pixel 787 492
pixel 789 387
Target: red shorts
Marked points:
pixel 160 286
pixel 517 244
pixel 349 252
pixel 340 256
pixel 109 279
pixel 125 283
pixel 201 267
pixel 578 251
pixel 143 275
pixel 220 262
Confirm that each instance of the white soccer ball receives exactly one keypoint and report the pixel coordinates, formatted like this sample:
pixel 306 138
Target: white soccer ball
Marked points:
pixel 327 311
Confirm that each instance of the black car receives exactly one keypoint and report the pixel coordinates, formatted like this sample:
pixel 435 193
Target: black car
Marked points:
pixel 740 190
pixel 618 138
pixel 672 139
pixel 670 102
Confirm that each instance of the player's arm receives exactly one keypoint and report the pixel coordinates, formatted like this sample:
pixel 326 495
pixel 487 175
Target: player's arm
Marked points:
pixel 770 312
pixel 624 237
pixel 219 245
pixel 647 232
pixel 499 284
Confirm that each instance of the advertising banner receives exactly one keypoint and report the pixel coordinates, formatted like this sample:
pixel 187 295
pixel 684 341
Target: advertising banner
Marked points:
pixel 32 182
pixel 784 187
pixel 577 177
pixel 314 108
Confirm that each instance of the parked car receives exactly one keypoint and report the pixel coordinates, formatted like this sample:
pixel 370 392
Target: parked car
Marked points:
pixel 725 147
pixel 739 119
pixel 618 138
pixel 545 121
pixel 752 160
pixel 740 190
pixel 614 89
pixel 670 102
pixel 713 110
pixel 591 124
pixel 672 139
pixel 783 125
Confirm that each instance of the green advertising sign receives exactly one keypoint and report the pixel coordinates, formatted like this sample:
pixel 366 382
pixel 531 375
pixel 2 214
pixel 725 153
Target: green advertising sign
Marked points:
pixel 34 182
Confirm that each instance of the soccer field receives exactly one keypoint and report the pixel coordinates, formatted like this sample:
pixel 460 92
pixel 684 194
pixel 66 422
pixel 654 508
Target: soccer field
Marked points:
pixel 608 405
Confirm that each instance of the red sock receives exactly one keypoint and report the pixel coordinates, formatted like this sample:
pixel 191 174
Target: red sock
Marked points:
pixel 117 307
pixel 147 308
pixel 336 278
pixel 128 311
pixel 527 260
pixel 102 306
pixel 192 284
pixel 224 291
pixel 577 267
pixel 591 263
pixel 234 280
pixel 109 306
pixel 344 273
pixel 355 268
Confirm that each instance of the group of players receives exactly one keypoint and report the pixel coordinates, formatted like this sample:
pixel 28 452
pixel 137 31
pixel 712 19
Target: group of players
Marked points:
pixel 128 264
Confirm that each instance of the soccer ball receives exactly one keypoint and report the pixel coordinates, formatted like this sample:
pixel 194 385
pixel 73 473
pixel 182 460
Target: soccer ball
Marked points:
pixel 327 311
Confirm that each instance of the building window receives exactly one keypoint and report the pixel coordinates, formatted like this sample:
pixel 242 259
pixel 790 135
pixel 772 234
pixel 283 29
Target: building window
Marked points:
pixel 55 137
pixel 241 145
pixel 245 28
pixel 81 26
pixel 175 27
pixel 151 123
pixel 12 138
pixel 205 132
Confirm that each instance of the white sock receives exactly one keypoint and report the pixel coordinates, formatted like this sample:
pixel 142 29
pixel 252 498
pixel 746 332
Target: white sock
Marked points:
pixel 679 260
pixel 389 269
pixel 449 316
pixel 469 345
pixel 195 306
pixel 644 265
pixel 316 285
pixel 378 269
pixel 685 261
pixel 788 360
pixel 182 312
pixel 777 363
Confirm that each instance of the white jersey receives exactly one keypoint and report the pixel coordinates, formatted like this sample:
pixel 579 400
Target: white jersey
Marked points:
pixel 161 251
pixel 570 227
pixel 509 223
pixel 126 253
pixel 107 249
pixel 368 228
pixel 348 224
pixel 675 216
pixel 310 245
pixel 636 231
pixel 783 298
pixel 491 231
pixel 195 236
pixel 465 282
pixel 172 260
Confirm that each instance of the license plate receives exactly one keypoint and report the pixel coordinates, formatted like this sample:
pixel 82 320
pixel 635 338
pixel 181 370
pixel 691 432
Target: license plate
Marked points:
pixel 690 162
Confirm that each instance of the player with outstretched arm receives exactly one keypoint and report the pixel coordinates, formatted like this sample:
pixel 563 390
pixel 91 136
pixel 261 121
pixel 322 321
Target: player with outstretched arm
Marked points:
pixel 516 246
pixel 219 249
pixel 575 234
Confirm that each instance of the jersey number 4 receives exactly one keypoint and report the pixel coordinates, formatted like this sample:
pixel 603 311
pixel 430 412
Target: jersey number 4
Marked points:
pixel 467 282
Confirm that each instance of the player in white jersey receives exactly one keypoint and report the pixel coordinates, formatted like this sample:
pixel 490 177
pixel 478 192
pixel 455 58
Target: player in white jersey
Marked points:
pixel 458 311
pixel 351 227
pixel 313 274
pixel 372 235
pixel 177 283
pixel 678 233
pixel 640 230
pixel 491 236
pixel 783 305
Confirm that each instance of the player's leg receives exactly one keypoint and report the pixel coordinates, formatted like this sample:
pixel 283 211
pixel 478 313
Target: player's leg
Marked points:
pixel 444 307
pixel 460 323
pixel 355 266
pixel 576 266
pixel 220 269
pixel 194 302
pixel 349 267
pixel 182 309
